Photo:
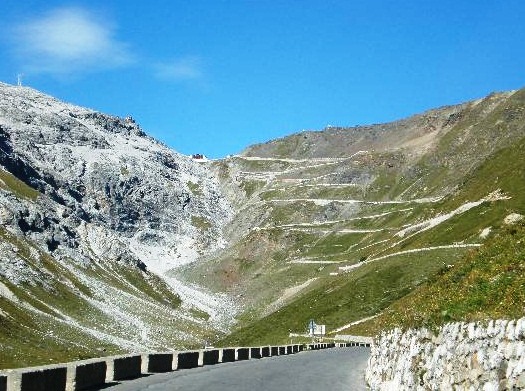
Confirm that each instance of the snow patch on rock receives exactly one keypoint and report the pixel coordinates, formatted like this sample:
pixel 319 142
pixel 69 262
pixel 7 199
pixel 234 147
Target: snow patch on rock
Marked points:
pixel 485 232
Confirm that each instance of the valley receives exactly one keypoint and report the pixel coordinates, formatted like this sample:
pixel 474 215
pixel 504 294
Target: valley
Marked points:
pixel 351 235
pixel 112 242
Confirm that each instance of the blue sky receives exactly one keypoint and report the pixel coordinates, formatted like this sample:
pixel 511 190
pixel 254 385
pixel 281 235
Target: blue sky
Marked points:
pixel 213 77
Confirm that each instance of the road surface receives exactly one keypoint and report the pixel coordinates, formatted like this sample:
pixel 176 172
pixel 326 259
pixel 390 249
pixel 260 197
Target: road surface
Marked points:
pixel 329 369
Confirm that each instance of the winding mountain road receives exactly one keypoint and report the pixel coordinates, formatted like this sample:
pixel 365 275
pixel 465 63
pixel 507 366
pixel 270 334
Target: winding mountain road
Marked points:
pixel 330 369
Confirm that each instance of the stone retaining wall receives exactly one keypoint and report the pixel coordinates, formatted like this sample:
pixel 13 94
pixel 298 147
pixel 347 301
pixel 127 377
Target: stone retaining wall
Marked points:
pixel 478 356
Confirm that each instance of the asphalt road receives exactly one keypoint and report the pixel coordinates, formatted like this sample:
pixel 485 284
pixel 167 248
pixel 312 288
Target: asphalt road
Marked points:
pixel 329 369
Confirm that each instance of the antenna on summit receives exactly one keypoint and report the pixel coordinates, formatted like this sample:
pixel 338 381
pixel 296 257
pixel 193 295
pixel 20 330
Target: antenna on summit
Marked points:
pixel 19 79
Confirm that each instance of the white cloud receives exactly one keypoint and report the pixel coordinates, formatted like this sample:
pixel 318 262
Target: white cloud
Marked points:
pixel 186 68
pixel 69 40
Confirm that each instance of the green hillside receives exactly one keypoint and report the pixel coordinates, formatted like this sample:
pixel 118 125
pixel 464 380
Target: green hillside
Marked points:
pixel 410 221
pixel 484 284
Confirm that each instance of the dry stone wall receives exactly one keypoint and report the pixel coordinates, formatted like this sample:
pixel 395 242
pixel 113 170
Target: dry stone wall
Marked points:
pixel 465 356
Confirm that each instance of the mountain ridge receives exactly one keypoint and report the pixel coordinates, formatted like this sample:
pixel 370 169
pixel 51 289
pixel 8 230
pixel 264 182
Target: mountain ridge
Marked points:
pixel 318 221
pixel 113 238
pixel 86 199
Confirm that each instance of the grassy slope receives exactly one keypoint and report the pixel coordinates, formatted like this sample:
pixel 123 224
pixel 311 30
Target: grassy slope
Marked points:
pixel 373 288
pixel 482 130
pixel 487 283
pixel 12 184
pixel 57 320
pixel 38 331
pixel 343 299
pixel 501 256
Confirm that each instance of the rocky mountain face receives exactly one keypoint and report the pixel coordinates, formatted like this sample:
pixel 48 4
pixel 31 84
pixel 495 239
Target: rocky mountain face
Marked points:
pixel 413 135
pixel 110 241
pixel 92 212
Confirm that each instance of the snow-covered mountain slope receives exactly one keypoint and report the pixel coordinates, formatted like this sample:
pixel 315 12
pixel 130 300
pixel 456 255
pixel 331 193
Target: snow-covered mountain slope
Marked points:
pixel 92 213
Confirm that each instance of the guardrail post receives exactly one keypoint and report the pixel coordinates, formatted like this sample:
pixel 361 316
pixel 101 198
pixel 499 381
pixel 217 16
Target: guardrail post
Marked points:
pixel 229 355
pixel 14 381
pixel 35 379
pixel 187 360
pixel 210 357
pixel 157 362
pixel 84 375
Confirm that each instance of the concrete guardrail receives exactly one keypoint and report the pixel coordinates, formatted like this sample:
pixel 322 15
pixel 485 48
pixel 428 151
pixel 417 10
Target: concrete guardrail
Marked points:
pixel 86 374
pixel 211 357
pixel 51 377
pixel 90 374
pixel 158 362
pixel 188 360
pixel 228 355
pixel 124 367
pixel 255 352
pixel 243 354
pixel 352 344
pixel 357 340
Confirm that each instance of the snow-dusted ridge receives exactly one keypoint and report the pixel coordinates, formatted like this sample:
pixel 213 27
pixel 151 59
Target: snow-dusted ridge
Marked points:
pixel 108 194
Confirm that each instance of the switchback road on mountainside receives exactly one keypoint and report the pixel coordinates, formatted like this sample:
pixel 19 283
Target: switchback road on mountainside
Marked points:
pixel 330 369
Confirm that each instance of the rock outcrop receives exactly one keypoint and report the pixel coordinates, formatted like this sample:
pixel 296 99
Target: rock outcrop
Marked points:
pixel 101 171
pixel 93 212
